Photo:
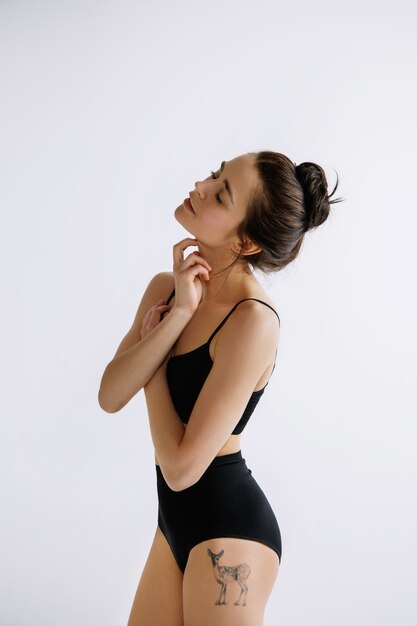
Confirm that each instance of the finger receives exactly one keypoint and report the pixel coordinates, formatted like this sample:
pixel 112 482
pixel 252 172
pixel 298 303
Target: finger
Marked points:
pixel 201 260
pixel 156 307
pixel 158 311
pixel 178 250
pixel 193 258
pixel 146 317
pixel 198 270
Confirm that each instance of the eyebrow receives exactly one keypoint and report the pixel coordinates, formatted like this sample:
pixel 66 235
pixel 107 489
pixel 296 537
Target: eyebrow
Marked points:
pixel 226 182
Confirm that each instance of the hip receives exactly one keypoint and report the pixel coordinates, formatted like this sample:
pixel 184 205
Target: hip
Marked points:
pixel 227 484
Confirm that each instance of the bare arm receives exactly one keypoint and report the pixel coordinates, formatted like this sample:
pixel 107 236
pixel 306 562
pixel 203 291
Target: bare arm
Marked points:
pixel 136 360
pixel 128 373
pixel 183 456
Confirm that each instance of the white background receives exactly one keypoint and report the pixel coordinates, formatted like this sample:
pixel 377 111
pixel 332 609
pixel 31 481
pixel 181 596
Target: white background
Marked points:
pixel 110 111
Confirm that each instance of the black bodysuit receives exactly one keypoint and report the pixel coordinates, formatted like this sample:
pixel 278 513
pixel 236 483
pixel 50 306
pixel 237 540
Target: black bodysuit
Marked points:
pixel 226 501
pixel 187 372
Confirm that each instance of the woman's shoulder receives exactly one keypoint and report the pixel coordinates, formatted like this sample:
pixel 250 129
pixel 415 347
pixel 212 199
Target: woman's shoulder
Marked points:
pixel 252 294
pixel 164 283
pixel 169 283
pixel 255 290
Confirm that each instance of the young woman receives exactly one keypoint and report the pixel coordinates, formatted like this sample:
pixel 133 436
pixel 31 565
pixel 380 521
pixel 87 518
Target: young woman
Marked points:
pixel 203 346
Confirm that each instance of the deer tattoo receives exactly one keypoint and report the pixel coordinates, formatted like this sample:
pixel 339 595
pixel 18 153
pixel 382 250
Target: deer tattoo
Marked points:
pixel 229 573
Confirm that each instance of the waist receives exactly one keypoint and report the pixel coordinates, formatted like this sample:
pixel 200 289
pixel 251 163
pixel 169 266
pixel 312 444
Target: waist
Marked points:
pixel 232 445
pixel 224 459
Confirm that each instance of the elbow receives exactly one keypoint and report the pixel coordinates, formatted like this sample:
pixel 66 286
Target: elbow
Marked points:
pixel 180 478
pixel 106 395
pixel 112 394
pixel 174 480
pixel 179 484
pixel 105 403
pixel 103 397
pixel 180 470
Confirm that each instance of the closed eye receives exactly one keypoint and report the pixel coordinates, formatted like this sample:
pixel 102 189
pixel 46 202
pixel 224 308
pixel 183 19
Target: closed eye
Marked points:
pixel 213 175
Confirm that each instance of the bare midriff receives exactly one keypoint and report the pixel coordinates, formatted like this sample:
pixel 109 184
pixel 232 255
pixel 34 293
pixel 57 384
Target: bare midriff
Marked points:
pixel 231 445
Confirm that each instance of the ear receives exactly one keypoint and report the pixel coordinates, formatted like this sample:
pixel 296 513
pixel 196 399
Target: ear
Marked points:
pixel 247 247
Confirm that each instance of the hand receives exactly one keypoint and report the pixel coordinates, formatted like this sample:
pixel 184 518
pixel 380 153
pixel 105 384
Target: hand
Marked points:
pixel 187 275
pixel 153 317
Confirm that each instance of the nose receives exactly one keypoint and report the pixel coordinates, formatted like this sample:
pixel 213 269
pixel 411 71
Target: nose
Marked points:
pixel 201 185
pixel 198 187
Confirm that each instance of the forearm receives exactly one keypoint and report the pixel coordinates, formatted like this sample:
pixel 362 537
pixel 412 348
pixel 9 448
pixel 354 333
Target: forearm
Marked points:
pixel 125 375
pixel 167 429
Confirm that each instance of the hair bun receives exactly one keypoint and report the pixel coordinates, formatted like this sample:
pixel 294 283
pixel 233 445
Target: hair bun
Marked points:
pixel 316 199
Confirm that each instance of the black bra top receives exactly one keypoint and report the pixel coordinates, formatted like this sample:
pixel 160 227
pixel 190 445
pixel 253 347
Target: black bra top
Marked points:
pixel 187 372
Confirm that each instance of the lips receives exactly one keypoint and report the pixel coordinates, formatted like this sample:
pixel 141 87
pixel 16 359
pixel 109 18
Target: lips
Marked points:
pixel 189 206
pixel 192 205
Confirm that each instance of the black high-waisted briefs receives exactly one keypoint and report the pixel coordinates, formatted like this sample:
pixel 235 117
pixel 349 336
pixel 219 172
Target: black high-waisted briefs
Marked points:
pixel 225 502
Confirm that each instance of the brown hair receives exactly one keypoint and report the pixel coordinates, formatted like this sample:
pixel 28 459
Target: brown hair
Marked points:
pixel 290 200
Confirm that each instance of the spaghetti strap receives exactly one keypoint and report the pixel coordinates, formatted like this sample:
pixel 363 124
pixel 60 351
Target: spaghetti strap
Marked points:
pixel 230 312
pixel 186 373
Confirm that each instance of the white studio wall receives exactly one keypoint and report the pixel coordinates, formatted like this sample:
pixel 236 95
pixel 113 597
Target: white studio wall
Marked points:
pixel 110 111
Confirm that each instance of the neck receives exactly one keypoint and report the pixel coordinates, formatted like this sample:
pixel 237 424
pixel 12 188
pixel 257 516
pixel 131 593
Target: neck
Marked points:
pixel 225 285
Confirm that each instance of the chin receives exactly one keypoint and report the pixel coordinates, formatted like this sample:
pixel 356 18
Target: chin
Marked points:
pixel 178 217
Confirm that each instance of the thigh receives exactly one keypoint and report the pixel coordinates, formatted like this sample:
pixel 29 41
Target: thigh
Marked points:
pixel 158 598
pixel 228 582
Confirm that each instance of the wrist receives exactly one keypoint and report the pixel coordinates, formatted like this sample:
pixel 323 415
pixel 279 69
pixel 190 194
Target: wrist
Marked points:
pixel 181 313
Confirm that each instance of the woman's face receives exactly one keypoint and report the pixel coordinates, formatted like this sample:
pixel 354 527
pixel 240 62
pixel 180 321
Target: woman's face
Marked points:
pixel 220 203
